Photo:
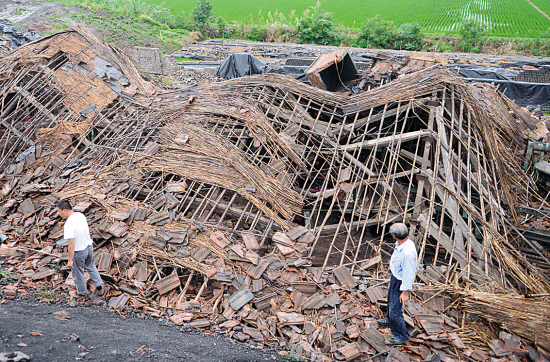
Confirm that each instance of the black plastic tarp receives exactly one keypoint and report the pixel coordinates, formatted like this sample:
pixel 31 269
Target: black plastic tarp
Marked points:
pixel 240 64
pixel 16 36
pixel 295 72
pixel 482 71
pixel 523 93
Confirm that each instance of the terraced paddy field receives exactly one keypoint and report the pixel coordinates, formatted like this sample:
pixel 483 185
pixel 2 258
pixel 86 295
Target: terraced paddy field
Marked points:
pixel 506 18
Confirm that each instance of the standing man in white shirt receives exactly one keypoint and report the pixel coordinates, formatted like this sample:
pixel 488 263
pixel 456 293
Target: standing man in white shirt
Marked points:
pixel 403 271
pixel 81 254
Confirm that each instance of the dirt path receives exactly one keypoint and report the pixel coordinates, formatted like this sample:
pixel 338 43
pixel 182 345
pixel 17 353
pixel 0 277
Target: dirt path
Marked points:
pixel 105 336
pixel 538 9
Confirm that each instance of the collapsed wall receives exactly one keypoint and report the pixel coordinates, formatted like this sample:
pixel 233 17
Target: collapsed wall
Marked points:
pixel 264 192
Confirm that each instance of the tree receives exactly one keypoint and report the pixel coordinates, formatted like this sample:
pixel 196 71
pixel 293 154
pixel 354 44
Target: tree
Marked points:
pixel 202 16
pixel 409 37
pixel 377 33
pixel 472 33
pixel 316 27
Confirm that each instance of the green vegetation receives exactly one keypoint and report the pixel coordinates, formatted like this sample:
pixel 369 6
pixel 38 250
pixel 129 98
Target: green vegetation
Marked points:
pixel 378 33
pixel 4 272
pixel 186 60
pixel 503 18
pixel 18 11
pixel 316 27
pixel 411 26
pixel 472 34
pixel 256 33
pixel 288 357
pixel 56 27
pixel 544 5
pixel 129 22
pixel 42 293
pixel 202 17
pixel 124 29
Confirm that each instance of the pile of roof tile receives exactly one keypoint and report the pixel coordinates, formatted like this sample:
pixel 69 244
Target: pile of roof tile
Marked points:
pixel 258 207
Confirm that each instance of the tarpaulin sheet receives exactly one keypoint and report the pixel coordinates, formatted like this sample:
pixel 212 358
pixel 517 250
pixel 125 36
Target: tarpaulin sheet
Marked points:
pixel 523 93
pixel 295 72
pixel 16 36
pixel 482 71
pixel 240 64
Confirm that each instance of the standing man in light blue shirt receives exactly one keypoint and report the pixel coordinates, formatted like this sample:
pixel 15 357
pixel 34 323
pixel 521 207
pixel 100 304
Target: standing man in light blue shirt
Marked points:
pixel 403 271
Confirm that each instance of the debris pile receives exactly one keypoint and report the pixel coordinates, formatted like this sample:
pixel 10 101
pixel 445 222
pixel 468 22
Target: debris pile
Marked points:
pixel 11 37
pixel 191 77
pixel 259 207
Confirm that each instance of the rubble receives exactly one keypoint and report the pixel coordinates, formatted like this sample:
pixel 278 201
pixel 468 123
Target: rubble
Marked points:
pixel 191 77
pixel 11 37
pixel 259 207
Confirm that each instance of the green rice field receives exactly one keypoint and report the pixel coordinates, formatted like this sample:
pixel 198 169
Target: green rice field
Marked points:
pixel 505 18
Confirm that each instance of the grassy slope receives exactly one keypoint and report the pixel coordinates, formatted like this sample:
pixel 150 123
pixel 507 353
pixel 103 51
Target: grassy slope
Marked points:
pixel 505 17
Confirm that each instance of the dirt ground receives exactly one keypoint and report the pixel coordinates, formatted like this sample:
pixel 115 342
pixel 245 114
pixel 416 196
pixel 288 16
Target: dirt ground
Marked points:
pixel 95 334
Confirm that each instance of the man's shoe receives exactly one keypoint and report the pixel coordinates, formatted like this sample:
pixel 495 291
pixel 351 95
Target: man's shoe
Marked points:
pixel 102 290
pixel 383 322
pixel 395 340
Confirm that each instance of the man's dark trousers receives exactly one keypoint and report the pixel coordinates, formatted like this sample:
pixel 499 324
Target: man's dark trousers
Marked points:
pixel 395 313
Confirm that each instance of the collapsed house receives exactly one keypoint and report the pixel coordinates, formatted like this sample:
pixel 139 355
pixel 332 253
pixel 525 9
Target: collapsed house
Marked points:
pixel 269 200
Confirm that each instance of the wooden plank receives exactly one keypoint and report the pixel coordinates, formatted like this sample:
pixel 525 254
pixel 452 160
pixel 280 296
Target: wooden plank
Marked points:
pixel 386 141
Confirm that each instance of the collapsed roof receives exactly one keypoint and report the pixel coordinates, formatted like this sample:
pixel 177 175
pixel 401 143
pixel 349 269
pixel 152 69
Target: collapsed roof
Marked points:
pixel 266 153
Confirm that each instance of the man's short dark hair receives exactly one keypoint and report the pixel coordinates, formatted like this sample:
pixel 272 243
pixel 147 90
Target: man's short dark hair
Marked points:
pixel 64 205
pixel 399 230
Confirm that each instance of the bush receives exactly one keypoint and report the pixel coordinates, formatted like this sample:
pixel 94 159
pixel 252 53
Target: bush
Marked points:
pixel 161 14
pixel 180 21
pixel 377 33
pixel 255 34
pixel 135 8
pixel 316 27
pixel 472 35
pixel 409 37
pixel 223 30
pixel 202 16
